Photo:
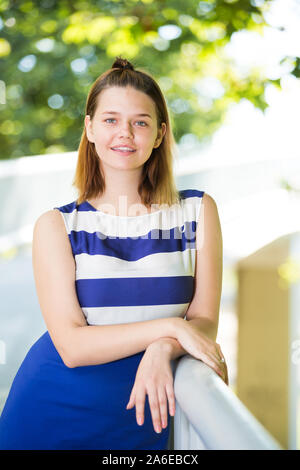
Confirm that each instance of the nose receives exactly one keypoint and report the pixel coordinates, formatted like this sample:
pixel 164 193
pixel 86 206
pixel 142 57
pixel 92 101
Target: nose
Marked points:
pixel 125 129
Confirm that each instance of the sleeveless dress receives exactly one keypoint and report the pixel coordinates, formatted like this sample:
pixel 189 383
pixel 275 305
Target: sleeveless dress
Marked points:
pixel 128 269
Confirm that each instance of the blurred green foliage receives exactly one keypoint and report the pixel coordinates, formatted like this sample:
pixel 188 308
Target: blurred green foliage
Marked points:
pixel 52 51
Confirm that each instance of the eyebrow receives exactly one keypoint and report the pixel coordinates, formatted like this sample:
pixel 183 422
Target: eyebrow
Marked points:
pixel 114 112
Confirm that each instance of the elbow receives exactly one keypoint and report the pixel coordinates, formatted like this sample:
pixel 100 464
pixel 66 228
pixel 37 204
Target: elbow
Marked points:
pixel 66 350
pixel 69 363
pixel 68 359
pixel 72 362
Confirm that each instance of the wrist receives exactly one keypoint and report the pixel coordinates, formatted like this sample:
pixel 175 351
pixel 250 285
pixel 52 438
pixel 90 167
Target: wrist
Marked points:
pixel 176 325
pixel 164 345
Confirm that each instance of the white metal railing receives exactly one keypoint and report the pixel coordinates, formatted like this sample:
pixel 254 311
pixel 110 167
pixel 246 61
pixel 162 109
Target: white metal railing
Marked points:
pixel 210 416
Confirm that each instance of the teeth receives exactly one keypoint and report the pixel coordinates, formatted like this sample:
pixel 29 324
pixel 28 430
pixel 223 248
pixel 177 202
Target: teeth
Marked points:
pixel 123 148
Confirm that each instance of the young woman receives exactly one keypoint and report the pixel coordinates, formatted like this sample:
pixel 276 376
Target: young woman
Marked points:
pixel 116 272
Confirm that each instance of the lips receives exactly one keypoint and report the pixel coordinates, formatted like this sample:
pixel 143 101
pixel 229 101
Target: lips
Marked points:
pixel 123 152
pixel 126 149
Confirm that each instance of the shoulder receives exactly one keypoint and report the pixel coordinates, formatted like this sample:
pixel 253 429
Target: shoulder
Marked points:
pixel 56 217
pixel 209 216
pixel 208 227
pixel 52 221
pixel 209 203
pixel 208 209
pixel 198 196
pixel 205 198
pixel 51 236
pixel 203 201
pixel 52 217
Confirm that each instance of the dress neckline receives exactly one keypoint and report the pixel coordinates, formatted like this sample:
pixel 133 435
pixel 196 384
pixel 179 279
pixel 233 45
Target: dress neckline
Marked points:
pixel 121 216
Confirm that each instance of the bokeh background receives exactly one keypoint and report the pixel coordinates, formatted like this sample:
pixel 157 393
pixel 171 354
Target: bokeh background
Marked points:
pixel 229 70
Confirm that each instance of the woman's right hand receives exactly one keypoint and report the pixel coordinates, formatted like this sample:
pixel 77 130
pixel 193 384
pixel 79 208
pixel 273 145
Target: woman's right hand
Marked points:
pixel 198 345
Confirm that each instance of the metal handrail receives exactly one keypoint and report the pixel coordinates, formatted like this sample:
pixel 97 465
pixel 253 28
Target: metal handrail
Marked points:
pixel 210 416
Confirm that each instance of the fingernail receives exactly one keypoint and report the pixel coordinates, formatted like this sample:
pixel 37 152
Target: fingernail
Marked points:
pixel 140 422
pixel 157 429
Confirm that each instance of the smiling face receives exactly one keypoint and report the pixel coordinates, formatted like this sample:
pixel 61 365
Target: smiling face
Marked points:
pixel 125 117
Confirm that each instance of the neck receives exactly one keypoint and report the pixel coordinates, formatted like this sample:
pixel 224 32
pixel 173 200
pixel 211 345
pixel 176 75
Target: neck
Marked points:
pixel 121 193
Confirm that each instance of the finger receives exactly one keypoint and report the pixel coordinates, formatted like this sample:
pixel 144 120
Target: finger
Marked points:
pixel 225 373
pixel 131 401
pixel 220 354
pixel 154 407
pixel 171 398
pixel 162 400
pixel 130 405
pixel 226 378
pixel 140 405
pixel 220 360
pixel 224 365
pixel 214 363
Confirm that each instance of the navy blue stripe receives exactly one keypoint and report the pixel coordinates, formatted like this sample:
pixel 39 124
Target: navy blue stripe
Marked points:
pixel 132 249
pixel 134 291
pixel 83 207
pixel 185 193
pixel 68 207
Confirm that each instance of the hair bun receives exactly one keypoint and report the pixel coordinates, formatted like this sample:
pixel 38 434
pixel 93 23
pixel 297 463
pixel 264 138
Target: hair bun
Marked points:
pixel 120 63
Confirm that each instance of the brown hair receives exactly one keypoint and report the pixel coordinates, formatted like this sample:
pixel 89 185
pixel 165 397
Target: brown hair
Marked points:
pixel 157 185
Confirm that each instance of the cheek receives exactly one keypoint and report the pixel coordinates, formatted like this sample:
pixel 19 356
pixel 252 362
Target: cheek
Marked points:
pixel 102 140
pixel 149 138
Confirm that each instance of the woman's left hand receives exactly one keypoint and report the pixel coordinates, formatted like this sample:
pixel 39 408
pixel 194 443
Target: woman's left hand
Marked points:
pixel 154 377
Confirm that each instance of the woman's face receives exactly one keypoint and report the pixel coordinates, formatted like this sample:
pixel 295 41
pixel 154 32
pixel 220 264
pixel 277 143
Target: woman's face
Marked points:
pixel 125 117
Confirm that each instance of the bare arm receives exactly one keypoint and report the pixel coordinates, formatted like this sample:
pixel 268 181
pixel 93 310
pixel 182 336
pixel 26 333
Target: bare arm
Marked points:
pixel 203 310
pixel 78 343
pixel 174 348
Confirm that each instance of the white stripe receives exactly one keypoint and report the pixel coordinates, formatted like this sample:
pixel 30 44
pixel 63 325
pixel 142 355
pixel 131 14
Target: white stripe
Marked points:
pixel 178 263
pixel 114 226
pixel 131 314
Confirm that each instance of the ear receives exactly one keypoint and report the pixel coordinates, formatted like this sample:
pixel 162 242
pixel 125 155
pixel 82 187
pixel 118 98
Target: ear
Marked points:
pixel 160 134
pixel 89 128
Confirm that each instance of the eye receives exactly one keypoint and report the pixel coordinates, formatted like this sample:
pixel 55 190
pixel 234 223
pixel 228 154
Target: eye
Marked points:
pixel 143 123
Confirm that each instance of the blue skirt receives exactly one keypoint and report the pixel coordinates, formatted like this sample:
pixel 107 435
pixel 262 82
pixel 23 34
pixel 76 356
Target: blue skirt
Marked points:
pixel 51 406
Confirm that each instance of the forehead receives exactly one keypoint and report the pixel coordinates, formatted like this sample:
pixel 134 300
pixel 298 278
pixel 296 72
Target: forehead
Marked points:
pixel 125 98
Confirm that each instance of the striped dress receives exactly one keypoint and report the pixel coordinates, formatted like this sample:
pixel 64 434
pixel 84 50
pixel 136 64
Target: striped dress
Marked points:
pixel 128 269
